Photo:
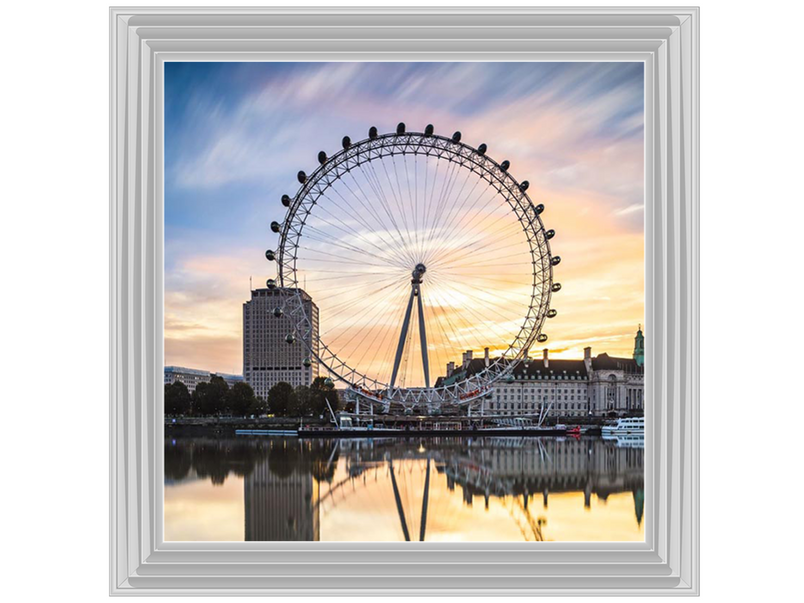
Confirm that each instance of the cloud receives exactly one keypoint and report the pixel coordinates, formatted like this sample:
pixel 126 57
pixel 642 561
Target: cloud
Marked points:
pixel 237 136
pixel 630 209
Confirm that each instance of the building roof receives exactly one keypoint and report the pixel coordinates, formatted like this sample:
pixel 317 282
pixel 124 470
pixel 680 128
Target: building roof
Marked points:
pixel 186 371
pixel 604 362
pixel 534 368
pixel 280 291
pixel 530 369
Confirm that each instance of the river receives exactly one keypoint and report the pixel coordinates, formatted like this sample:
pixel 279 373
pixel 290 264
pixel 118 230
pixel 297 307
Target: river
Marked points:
pixel 396 489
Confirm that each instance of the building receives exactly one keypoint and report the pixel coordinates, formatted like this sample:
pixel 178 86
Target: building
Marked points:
pixel 596 386
pixel 615 384
pixel 192 377
pixel 268 358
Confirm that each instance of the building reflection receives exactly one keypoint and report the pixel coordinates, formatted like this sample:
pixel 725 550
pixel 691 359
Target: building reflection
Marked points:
pixel 290 483
pixel 528 467
pixel 281 506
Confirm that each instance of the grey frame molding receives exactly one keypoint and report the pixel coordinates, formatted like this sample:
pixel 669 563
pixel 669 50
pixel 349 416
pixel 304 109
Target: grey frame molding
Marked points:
pixel 666 40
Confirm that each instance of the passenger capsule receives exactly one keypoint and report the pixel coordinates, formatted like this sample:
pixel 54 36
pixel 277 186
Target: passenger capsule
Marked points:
pixel 275 226
pixel 306 362
pixel 552 313
pixel 270 256
pixel 346 142
pixel 322 157
pixel 372 132
pixel 556 260
pixel 428 130
pixel 482 149
pixel 278 312
pixel 505 165
pixel 549 234
pixel 539 209
pixel 400 127
pixel 270 283
pixel 302 177
pixel 456 137
pixel 541 338
pixel 285 200
pixel 290 338
pixel 556 287
pixel 327 381
pixel 523 186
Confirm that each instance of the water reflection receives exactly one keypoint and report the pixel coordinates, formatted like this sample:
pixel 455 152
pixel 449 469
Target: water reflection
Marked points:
pixel 389 489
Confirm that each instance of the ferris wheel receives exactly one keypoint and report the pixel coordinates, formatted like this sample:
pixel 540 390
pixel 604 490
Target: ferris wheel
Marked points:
pixel 419 251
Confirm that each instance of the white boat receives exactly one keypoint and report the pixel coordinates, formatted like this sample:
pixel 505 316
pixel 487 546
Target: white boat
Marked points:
pixel 631 425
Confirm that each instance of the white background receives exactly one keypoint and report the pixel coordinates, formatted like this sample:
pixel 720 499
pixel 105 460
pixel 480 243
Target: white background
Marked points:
pixel 54 250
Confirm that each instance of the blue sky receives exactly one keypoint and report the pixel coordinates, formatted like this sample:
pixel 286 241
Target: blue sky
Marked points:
pixel 237 133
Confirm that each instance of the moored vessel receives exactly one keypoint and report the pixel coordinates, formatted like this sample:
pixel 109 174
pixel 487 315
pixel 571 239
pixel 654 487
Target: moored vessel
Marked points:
pixel 629 425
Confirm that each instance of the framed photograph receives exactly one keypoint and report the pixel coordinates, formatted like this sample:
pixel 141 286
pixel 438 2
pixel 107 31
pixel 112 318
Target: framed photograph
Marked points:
pixel 404 301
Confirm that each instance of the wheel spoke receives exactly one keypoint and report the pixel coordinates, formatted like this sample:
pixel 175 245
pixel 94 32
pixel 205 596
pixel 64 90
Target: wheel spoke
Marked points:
pixel 415 225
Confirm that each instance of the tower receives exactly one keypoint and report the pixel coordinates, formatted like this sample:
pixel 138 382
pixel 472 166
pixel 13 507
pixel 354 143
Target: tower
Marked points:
pixel 639 347
pixel 268 356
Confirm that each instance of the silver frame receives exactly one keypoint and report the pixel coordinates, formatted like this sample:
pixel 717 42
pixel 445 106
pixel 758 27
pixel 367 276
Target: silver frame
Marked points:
pixel 666 39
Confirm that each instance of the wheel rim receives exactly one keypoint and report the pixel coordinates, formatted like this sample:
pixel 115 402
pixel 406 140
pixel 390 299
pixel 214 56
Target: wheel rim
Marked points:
pixel 381 169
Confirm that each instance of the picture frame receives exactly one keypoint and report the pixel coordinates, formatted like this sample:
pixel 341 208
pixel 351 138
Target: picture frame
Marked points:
pixel 666 40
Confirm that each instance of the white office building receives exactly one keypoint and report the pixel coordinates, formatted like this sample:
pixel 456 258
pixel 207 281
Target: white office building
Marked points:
pixel 268 358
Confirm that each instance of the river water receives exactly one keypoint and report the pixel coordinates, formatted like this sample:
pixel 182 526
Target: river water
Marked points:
pixel 393 489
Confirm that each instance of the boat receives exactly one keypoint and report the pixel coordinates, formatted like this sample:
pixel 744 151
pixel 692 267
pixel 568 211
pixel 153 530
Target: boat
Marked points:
pixel 630 425
pixel 517 426
pixel 344 427
pixel 268 432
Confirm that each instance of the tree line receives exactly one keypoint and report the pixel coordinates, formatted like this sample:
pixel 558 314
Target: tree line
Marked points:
pixel 214 398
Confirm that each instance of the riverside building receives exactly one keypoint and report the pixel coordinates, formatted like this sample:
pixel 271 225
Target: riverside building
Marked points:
pixel 595 386
pixel 192 377
pixel 268 358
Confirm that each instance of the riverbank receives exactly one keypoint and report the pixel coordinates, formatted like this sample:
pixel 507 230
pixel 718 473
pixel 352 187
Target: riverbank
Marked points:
pixel 228 426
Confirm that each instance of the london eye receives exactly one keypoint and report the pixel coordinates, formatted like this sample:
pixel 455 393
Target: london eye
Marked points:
pixel 419 250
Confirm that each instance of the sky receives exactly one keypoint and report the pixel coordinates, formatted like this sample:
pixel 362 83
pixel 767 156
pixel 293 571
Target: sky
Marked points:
pixel 236 134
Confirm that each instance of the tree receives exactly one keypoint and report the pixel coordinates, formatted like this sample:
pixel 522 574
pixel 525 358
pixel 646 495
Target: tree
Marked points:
pixel 304 395
pixel 177 399
pixel 241 399
pixel 202 402
pixel 260 406
pixel 281 398
pixel 295 408
pixel 323 391
pixel 209 398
